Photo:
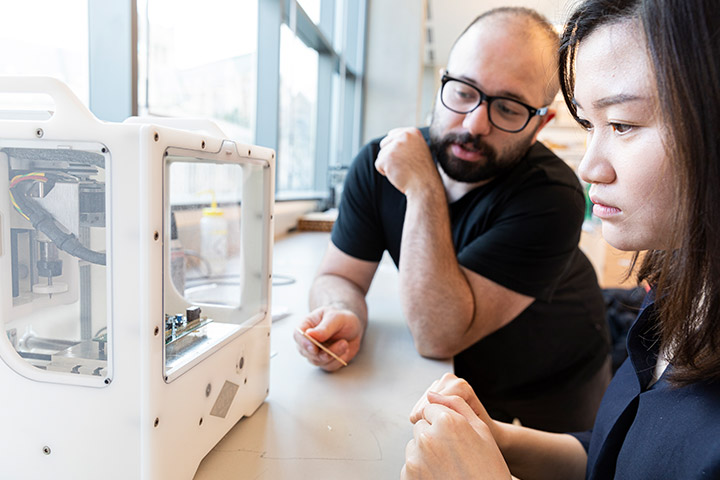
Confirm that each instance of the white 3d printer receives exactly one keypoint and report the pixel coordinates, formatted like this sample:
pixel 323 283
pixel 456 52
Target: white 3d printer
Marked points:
pixel 126 353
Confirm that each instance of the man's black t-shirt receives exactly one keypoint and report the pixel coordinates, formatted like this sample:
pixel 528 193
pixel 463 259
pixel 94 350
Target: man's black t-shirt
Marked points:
pixel 520 230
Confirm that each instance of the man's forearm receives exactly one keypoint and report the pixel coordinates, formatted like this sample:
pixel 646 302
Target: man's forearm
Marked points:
pixel 437 300
pixel 339 292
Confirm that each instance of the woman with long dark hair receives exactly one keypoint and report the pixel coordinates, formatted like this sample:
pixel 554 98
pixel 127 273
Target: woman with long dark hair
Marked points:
pixel 643 78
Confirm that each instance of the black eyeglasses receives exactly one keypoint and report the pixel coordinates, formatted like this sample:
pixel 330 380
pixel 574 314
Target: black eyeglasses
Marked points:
pixel 504 113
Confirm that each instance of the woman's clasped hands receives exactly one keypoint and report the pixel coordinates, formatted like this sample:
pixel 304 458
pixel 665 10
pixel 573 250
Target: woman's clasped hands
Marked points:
pixel 453 436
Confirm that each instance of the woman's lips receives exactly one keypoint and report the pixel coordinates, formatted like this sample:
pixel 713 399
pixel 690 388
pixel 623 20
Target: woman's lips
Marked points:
pixel 601 210
pixel 463 153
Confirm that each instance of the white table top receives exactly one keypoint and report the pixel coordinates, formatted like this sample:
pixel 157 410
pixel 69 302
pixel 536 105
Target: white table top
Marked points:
pixel 351 424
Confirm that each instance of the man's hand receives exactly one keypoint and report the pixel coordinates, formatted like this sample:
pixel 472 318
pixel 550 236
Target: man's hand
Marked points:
pixel 405 160
pixel 338 329
pixel 451 442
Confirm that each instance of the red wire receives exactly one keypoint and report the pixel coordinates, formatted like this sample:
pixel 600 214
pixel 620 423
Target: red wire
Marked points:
pixel 15 181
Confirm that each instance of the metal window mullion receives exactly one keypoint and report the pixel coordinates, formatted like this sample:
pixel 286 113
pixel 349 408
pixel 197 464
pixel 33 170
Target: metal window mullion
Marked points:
pixel 342 115
pixel 305 29
pixel 327 20
pixel 357 116
pixel 349 126
pixel 113 62
pixel 355 18
pixel 325 99
pixel 324 114
pixel 267 111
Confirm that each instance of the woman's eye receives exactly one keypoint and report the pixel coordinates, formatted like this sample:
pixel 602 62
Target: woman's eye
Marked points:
pixel 621 128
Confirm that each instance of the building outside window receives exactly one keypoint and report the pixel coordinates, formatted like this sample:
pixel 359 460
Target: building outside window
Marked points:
pixel 298 107
pixel 45 37
pixel 201 62
pixel 288 78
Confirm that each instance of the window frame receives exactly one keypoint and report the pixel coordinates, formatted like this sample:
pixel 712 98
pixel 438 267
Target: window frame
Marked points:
pixel 339 117
pixel 339 39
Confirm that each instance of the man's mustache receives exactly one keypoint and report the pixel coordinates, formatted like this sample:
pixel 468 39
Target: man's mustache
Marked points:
pixel 464 139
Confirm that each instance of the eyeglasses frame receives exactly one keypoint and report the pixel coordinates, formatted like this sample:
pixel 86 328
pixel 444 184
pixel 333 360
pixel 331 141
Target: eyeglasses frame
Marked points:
pixel 489 99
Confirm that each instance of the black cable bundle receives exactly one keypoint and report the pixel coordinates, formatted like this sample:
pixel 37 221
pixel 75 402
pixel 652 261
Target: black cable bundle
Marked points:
pixel 44 222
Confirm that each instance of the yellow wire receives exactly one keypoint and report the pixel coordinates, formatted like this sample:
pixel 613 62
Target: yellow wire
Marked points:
pixel 17 207
pixel 31 174
pixel 12 197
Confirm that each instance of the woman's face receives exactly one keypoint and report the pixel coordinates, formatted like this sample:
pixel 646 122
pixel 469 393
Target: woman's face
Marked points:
pixel 625 162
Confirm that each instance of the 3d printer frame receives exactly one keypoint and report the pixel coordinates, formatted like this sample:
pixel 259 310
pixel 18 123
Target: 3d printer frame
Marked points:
pixel 111 366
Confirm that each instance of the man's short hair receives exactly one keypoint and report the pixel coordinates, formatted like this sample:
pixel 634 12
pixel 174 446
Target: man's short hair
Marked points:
pixel 535 19
pixel 533 16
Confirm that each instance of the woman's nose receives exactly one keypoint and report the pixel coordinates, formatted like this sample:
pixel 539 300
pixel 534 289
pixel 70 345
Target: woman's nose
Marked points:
pixel 595 166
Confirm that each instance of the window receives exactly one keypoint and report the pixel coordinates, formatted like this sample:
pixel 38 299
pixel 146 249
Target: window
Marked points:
pixel 284 74
pixel 320 96
pixel 53 42
pixel 312 8
pixel 298 107
pixel 201 62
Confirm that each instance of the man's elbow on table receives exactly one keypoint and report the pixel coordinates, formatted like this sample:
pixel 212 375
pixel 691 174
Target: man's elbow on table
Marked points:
pixel 435 346
pixel 441 340
pixel 435 337
pixel 461 324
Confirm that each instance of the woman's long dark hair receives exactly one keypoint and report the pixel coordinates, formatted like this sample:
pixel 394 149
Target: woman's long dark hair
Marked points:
pixel 683 44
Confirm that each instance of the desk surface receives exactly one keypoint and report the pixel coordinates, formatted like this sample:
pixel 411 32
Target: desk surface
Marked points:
pixel 351 424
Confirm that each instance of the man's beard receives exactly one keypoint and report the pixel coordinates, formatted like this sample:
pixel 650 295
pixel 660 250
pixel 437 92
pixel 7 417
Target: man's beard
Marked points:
pixel 460 170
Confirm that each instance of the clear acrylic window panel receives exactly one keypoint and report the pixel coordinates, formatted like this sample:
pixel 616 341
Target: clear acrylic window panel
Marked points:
pixel 215 286
pixel 46 37
pixel 201 62
pixel 205 200
pixel 55 279
pixel 298 113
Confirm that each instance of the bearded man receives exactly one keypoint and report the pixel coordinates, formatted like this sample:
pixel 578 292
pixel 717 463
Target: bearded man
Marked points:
pixel 483 223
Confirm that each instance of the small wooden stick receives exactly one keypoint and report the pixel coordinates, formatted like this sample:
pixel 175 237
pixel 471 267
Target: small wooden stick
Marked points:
pixel 321 347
